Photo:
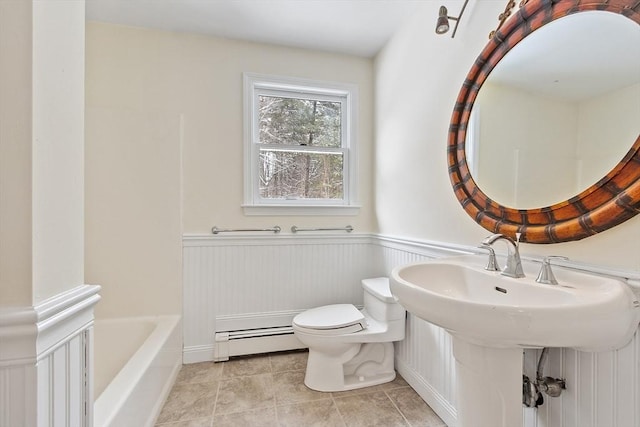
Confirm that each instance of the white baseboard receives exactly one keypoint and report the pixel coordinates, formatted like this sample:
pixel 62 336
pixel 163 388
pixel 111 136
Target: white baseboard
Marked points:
pixel 197 354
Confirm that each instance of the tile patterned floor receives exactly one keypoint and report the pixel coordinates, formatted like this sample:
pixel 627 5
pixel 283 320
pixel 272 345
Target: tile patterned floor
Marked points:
pixel 268 390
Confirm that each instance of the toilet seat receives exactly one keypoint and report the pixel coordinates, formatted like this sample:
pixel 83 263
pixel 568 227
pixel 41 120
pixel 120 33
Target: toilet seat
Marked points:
pixel 335 319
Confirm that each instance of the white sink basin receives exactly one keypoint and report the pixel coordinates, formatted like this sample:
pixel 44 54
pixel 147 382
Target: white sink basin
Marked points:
pixel 586 312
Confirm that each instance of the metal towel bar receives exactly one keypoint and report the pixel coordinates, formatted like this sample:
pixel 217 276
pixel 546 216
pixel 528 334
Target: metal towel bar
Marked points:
pixel 216 230
pixel 348 229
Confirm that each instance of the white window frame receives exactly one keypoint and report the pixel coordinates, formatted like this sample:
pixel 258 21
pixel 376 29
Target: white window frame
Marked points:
pixel 256 85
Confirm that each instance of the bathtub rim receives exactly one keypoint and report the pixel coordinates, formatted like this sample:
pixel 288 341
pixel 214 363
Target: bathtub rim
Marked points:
pixel 111 401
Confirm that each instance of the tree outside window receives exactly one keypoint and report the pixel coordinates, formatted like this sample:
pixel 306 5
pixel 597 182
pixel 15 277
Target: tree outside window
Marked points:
pixel 300 142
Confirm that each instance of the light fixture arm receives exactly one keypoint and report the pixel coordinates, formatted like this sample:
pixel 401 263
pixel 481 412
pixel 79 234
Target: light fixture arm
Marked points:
pixel 442 24
pixel 455 28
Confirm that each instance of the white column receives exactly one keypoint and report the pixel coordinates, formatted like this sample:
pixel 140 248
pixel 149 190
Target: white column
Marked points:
pixel 489 385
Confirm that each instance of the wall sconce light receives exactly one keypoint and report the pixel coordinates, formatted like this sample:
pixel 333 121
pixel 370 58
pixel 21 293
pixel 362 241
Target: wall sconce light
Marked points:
pixel 442 24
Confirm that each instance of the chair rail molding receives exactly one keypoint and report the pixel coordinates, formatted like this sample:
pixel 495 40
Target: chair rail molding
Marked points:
pixel 45 360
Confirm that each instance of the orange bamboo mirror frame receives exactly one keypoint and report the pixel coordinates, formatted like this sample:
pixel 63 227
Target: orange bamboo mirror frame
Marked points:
pixel 611 201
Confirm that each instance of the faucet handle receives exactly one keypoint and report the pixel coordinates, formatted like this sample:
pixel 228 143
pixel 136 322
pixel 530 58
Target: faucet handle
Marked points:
pixel 492 265
pixel 546 274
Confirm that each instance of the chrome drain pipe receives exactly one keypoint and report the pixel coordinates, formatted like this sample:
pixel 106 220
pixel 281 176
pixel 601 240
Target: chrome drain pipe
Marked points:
pixel 532 390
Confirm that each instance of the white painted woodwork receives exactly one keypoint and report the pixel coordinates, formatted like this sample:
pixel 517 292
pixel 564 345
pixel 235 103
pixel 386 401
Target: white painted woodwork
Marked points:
pixel 46 361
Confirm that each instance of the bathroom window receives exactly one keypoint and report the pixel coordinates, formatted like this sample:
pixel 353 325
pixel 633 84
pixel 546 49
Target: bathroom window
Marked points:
pixel 300 151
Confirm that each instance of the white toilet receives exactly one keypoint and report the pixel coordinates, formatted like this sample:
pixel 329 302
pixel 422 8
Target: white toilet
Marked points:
pixel 351 348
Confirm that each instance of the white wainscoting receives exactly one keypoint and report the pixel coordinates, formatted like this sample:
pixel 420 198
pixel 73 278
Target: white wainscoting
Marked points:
pixel 425 357
pixel 45 361
pixel 261 280
pixel 603 389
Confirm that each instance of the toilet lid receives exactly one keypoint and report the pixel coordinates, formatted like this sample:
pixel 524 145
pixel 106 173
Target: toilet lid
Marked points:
pixel 336 316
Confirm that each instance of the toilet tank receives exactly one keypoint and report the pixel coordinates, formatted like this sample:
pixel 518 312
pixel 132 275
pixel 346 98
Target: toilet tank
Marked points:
pixel 379 302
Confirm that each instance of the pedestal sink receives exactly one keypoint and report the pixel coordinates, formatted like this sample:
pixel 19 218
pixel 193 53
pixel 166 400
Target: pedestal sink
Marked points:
pixel 492 318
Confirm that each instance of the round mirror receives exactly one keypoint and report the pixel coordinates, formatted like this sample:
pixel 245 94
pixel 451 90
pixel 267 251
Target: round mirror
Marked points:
pixel 551 107
pixel 558 112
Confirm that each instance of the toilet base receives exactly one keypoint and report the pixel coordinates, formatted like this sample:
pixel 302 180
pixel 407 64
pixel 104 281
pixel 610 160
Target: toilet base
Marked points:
pixel 353 382
pixel 363 365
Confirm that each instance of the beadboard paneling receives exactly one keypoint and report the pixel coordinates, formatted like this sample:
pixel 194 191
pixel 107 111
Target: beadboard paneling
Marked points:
pixel 425 356
pixel 239 276
pixel 17 392
pixel 603 389
pixel 45 363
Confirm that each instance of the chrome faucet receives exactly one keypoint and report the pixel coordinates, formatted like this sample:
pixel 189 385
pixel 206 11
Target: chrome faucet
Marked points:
pixel 492 264
pixel 514 265
pixel 546 274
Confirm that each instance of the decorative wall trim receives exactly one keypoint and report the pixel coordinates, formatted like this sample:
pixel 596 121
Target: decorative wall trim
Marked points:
pixel 429 249
pixel 63 316
pixel 45 361
pixel 18 334
pixel 252 239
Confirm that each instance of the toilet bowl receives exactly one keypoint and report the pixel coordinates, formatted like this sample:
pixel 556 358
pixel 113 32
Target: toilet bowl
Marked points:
pixel 351 348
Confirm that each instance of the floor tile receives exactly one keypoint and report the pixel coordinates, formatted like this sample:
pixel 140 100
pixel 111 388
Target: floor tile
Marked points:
pixel 289 387
pixel 268 391
pixel 189 402
pixel 199 373
pixel 265 417
pixel 202 422
pixel 414 409
pixel 369 410
pixel 289 361
pixel 243 366
pixel 317 413
pixel 244 393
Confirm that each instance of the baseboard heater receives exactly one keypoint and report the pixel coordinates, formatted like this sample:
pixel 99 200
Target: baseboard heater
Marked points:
pixel 254 341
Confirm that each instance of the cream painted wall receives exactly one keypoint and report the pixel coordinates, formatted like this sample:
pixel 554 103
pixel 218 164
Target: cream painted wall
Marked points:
pixel 41 149
pixel 418 77
pixel 58 147
pixel 164 152
pixel 133 234
pixel 15 153
pixel 201 78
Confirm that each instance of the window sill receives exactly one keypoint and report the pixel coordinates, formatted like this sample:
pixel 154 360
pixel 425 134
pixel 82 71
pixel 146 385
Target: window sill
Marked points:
pixel 308 210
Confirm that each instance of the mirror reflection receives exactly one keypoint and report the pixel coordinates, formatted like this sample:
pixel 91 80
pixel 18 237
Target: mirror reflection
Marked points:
pixel 558 112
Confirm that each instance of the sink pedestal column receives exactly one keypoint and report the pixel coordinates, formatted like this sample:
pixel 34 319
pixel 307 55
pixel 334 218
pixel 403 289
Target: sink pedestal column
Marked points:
pixel 489 385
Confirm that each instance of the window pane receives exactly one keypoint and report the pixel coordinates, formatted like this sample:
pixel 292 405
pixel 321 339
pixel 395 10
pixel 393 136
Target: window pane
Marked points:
pixel 294 121
pixel 300 175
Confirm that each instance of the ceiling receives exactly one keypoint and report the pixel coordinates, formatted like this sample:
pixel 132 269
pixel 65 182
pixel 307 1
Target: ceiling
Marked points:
pixel 356 27
pixel 549 61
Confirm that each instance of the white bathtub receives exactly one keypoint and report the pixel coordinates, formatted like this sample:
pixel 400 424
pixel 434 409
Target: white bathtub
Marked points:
pixel 136 361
